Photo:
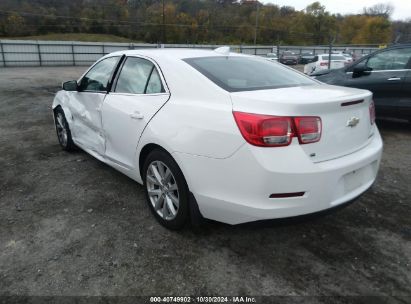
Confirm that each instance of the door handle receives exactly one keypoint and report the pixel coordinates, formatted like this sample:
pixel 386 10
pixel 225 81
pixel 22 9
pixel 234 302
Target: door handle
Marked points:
pixel 394 79
pixel 136 115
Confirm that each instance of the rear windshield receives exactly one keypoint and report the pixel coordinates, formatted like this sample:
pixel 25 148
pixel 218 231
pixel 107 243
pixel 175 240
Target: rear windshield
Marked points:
pixel 236 73
pixel 334 57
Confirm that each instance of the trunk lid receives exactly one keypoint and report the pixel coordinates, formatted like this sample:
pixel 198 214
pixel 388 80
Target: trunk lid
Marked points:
pixel 337 64
pixel 338 138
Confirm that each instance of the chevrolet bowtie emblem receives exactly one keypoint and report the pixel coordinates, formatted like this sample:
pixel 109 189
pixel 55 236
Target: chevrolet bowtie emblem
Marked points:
pixel 352 122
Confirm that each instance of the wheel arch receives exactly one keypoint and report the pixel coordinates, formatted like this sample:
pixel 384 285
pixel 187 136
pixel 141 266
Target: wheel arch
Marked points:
pixel 145 151
pixel 196 217
pixel 60 101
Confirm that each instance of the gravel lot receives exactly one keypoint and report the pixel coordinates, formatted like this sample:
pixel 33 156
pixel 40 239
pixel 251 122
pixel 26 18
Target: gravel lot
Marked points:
pixel 70 225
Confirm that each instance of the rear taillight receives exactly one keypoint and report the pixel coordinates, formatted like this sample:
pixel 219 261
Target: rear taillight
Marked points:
pixel 276 131
pixel 265 130
pixel 324 63
pixel 308 129
pixel 372 112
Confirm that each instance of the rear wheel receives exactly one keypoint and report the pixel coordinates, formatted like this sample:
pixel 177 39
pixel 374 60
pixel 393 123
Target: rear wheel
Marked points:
pixel 166 190
pixel 63 130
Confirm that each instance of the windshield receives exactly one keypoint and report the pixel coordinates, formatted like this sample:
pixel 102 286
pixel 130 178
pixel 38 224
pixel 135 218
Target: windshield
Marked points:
pixel 237 73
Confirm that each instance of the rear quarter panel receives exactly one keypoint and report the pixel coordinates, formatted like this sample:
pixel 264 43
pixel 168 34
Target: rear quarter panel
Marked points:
pixel 196 120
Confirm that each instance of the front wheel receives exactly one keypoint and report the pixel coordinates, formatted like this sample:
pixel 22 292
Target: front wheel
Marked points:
pixel 63 130
pixel 166 190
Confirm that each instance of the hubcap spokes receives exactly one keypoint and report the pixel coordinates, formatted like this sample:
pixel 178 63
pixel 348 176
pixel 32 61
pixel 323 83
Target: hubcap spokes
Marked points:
pixel 162 190
pixel 61 129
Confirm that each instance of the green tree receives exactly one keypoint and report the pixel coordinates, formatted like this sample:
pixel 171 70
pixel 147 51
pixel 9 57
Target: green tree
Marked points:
pixel 14 25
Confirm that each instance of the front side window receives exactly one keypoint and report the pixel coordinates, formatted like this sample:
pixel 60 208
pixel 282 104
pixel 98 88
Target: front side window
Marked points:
pixel 98 78
pixel 397 59
pixel 139 76
pixel 237 73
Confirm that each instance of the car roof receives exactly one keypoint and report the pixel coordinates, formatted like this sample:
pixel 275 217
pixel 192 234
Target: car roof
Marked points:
pixel 398 45
pixel 172 53
pixel 332 54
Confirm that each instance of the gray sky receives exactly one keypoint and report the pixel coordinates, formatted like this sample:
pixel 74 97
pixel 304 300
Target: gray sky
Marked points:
pixel 402 7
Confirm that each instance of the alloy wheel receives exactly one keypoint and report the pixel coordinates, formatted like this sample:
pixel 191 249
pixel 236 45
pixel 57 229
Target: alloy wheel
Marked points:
pixel 61 129
pixel 162 190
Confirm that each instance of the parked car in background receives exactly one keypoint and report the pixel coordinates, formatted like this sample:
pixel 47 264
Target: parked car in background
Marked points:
pixel 321 62
pixel 358 56
pixel 288 57
pixel 348 58
pixel 284 145
pixel 271 57
pixel 306 57
pixel 386 73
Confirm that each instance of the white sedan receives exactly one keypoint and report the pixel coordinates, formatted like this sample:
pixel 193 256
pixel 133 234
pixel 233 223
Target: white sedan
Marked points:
pixel 223 136
pixel 321 63
pixel 271 57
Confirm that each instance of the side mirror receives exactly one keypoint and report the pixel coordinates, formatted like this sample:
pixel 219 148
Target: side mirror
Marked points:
pixel 70 85
pixel 361 70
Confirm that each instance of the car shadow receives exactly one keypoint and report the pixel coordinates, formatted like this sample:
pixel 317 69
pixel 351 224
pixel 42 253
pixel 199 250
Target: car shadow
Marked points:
pixel 391 124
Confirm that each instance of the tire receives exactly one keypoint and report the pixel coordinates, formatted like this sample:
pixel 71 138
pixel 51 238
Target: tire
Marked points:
pixel 63 130
pixel 165 185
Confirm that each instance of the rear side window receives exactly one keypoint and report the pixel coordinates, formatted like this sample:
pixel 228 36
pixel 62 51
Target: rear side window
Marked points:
pixel 333 57
pixel 237 73
pixel 139 76
pixel 337 57
pixel 154 84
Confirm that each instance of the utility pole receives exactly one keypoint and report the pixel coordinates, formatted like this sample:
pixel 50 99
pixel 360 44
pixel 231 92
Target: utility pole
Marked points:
pixel 278 46
pixel 330 49
pixel 256 22
pixel 163 34
pixel 397 38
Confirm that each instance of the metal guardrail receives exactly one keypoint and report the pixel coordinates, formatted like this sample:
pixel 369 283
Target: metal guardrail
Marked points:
pixel 66 53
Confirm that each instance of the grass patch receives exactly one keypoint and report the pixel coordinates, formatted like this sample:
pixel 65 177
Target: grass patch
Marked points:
pixel 75 37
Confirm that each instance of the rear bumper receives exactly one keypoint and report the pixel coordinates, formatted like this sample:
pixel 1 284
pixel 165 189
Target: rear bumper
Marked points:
pixel 289 61
pixel 236 189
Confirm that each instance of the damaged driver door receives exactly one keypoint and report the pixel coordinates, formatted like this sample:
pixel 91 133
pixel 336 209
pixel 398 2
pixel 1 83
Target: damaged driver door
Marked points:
pixel 86 105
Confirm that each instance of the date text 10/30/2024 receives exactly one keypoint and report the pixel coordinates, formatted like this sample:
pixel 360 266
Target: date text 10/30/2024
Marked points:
pixel 236 299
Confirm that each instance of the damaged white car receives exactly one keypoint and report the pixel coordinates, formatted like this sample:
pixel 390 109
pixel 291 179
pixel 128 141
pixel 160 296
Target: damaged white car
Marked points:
pixel 223 136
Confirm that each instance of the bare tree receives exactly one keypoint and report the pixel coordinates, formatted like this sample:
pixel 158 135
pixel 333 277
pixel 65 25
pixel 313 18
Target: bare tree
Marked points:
pixel 380 9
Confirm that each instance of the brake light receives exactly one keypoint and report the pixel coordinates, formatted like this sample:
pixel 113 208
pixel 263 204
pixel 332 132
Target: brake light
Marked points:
pixel 276 131
pixel 323 63
pixel 308 129
pixel 264 130
pixel 372 112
